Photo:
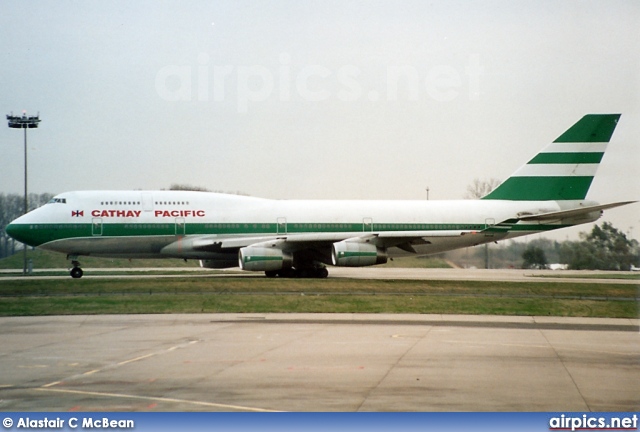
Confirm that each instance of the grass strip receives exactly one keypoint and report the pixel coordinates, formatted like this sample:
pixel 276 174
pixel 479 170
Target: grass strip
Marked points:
pixel 261 303
pixel 262 295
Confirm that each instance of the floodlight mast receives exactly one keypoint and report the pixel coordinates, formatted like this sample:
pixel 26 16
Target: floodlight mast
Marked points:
pixel 24 122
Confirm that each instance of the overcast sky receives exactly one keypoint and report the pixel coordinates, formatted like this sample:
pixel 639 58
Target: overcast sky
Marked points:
pixel 325 99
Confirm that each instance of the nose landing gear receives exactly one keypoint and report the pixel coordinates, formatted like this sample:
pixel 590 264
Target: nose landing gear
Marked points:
pixel 76 272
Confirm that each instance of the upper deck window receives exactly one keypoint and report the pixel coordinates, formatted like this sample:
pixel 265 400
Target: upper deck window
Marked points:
pixel 120 203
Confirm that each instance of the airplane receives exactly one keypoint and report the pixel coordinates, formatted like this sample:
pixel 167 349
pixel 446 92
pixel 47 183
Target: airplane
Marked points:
pixel 299 238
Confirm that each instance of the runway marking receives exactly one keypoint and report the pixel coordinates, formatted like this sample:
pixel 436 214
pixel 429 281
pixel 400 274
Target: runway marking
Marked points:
pixel 6 386
pixel 122 363
pixel 158 399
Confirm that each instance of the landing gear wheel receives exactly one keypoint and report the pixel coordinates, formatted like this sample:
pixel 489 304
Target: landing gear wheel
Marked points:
pixel 287 273
pixel 76 272
pixel 322 273
pixel 311 273
pixel 271 273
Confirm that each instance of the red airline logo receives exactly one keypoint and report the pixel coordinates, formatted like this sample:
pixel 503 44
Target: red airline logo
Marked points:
pixel 115 213
pixel 179 213
pixel 137 213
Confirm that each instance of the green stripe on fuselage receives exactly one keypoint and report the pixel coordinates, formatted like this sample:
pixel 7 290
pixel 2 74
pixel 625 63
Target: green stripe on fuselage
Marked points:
pixel 39 234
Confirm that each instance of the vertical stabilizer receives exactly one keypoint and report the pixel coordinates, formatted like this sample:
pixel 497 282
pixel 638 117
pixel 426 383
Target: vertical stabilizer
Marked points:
pixel 565 169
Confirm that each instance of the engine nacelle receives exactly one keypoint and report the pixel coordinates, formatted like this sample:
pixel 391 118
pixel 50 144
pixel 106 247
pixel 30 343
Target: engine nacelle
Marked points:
pixel 354 254
pixel 264 259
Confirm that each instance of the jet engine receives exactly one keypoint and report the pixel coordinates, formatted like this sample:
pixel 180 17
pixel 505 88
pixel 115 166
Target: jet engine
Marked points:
pixel 355 254
pixel 254 258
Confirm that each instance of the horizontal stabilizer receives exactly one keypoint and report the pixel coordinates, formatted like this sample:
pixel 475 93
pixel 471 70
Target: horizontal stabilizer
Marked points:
pixel 572 213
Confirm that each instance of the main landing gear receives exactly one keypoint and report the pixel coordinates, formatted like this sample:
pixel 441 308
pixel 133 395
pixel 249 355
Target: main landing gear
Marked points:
pixel 76 272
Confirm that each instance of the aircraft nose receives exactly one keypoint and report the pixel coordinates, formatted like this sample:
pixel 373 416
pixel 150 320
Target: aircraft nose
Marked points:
pixel 17 231
pixel 25 230
pixel 12 231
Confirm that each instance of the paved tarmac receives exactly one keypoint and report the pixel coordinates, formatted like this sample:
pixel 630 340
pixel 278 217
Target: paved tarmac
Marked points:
pixel 318 362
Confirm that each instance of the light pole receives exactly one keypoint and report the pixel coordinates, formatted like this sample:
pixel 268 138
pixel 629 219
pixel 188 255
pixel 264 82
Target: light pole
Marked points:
pixel 24 122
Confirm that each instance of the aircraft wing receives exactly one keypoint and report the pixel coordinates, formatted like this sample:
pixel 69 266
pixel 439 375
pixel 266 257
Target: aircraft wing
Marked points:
pixel 320 244
pixel 404 240
pixel 401 239
pixel 380 239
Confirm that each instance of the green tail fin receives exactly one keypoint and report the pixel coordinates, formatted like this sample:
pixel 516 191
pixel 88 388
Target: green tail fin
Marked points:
pixel 565 169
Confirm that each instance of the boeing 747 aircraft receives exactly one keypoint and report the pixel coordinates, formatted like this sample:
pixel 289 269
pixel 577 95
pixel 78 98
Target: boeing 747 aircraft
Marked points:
pixel 293 238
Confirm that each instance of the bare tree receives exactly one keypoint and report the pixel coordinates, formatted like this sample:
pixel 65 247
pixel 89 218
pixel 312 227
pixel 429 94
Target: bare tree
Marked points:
pixel 187 187
pixel 481 187
pixel 11 207
pixel 476 190
pixel 38 200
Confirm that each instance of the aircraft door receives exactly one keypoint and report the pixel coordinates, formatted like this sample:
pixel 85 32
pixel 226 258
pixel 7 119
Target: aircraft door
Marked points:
pixel 489 223
pixel 367 224
pixel 147 201
pixel 281 225
pixel 96 227
pixel 180 227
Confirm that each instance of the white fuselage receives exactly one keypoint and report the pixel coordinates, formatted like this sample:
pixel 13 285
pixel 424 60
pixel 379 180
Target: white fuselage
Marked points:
pixel 144 223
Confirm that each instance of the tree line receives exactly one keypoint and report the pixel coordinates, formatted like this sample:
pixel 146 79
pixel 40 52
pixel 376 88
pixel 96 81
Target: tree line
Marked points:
pixel 12 207
pixel 603 248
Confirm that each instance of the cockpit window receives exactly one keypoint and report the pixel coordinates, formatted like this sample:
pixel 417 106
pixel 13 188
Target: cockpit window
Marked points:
pixel 58 201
